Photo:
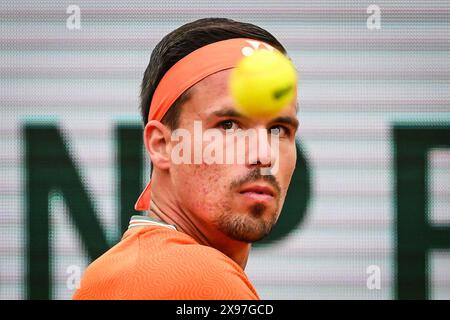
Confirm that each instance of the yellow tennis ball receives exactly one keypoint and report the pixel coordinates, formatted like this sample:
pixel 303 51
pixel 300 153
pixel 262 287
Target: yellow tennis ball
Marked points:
pixel 263 83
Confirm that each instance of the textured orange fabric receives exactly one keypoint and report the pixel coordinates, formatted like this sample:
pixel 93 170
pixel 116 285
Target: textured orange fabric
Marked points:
pixel 155 262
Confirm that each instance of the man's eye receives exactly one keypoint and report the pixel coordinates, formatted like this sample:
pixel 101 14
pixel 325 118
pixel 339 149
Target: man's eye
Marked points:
pixel 279 130
pixel 228 125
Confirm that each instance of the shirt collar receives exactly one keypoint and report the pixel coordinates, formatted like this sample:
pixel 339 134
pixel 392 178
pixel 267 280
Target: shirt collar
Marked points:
pixel 139 221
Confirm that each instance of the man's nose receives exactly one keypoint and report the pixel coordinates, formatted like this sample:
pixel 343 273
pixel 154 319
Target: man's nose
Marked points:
pixel 260 154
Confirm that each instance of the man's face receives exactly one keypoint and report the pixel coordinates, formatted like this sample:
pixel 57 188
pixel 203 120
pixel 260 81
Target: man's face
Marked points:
pixel 236 198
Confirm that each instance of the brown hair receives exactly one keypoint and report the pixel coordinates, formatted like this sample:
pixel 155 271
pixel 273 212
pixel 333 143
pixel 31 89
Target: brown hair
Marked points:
pixel 184 40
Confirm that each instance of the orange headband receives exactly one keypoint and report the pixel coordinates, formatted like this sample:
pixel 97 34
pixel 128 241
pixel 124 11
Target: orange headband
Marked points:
pixel 188 71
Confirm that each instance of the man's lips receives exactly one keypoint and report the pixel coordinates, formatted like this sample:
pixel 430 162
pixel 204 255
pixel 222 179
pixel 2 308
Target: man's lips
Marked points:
pixel 258 192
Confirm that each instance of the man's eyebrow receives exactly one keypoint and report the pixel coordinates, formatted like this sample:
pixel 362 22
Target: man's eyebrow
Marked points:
pixel 228 113
pixel 292 121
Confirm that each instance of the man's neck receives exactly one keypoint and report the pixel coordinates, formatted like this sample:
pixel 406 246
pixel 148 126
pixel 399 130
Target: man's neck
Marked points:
pixel 236 250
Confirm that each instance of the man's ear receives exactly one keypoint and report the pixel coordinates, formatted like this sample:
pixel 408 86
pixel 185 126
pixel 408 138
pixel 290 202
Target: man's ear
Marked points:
pixel 157 141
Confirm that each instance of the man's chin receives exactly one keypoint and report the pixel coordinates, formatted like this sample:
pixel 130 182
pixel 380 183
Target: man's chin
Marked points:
pixel 251 238
pixel 248 228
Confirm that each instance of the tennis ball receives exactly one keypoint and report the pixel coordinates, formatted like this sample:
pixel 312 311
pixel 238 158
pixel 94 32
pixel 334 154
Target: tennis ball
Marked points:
pixel 263 83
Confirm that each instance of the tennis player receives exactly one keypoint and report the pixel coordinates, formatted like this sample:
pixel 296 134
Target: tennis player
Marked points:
pixel 199 219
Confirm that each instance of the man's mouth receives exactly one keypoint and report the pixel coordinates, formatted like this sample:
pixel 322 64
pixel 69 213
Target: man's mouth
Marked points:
pixel 258 192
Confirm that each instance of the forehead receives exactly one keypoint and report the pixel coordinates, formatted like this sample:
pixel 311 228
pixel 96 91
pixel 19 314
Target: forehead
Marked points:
pixel 212 93
pixel 212 88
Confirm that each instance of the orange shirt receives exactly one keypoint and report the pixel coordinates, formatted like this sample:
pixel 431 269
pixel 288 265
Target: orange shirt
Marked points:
pixel 154 261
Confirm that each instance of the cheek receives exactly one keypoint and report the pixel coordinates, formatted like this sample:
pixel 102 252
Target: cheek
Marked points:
pixel 287 164
pixel 203 186
pixel 209 178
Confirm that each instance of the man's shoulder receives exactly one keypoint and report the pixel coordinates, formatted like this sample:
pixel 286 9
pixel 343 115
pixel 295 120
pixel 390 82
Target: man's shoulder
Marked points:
pixel 178 249
pixel 169 266
pixel 188 270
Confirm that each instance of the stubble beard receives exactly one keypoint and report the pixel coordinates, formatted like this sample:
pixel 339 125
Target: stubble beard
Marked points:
pixel 251 226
